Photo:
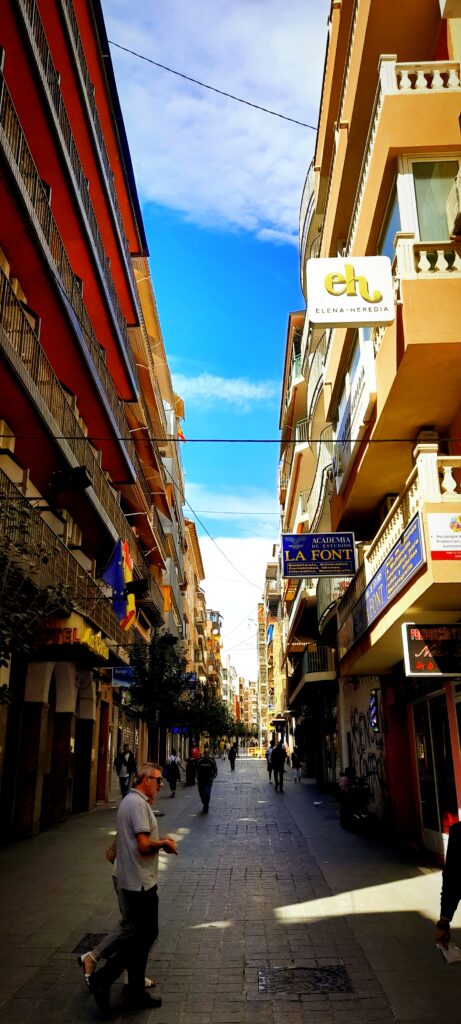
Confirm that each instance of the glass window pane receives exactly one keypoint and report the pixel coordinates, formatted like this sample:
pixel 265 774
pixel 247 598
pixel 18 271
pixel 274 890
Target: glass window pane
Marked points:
pixel 433 181
pixel 390 226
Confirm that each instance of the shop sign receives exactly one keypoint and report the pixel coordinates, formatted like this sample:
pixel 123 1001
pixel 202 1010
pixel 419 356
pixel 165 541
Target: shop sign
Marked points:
pixel 433 650
pixel 400 565
pixel 445 536
pixel 311 555
pixel 354 291
pixel 122 675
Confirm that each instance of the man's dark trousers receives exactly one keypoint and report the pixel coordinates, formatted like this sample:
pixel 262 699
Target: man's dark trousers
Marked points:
pixel 278 778
pixel 139 932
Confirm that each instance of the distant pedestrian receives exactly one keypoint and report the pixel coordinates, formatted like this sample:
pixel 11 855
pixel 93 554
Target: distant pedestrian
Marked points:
pixel 279 757
pixel 232 757
pixel 173 771
pixel 206 772
pixel 138 847
pixel 296 765
pixel 269 759
pixel 125 766
pixel 451 886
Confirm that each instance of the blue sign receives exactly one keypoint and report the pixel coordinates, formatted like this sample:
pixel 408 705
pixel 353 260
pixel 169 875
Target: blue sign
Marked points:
pixel 402 562
pixel 123 675
pixel 308 555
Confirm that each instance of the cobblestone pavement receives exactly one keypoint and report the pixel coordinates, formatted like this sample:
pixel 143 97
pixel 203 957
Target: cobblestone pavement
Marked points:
pixel 270 914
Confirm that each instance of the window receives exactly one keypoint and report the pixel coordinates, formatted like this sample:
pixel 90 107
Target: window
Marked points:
pixel 390 226
pixel 423 188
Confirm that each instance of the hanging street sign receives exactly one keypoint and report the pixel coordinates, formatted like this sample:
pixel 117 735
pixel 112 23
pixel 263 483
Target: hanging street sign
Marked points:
pixel 350 291
pixel 433 650
pixel 311 555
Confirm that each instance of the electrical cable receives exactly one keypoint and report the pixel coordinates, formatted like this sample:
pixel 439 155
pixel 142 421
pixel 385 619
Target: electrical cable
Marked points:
pixel 212 88
pixel 230 440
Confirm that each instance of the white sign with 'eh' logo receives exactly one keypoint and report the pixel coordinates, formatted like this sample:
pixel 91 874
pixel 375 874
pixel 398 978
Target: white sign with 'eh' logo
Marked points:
pixel 350 291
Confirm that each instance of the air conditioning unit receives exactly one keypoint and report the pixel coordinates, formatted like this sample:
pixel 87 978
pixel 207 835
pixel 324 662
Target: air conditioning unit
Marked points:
pixel 453 206
pixel 72 533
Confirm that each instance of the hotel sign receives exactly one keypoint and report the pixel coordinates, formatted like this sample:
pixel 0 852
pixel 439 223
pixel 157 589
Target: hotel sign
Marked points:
pixel 311 555
pixel 354 291
pixel 431 650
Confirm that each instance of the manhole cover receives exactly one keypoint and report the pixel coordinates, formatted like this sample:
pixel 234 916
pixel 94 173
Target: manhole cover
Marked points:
pixel 89 941
pixel 303 980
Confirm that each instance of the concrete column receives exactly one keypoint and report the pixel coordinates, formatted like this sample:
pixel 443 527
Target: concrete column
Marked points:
pixel 32 753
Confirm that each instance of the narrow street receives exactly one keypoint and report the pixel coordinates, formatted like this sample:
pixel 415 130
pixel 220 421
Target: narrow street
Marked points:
pixel 265 886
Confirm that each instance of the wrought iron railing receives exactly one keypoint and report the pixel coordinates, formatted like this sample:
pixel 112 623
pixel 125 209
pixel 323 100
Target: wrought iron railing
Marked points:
pixel 39 44
pixel 20 344
pixel 38 553
pixel 20 157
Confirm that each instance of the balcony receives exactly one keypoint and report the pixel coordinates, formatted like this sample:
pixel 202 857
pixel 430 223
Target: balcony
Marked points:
pixel 295 378
pixel 330 590
pixel 415 85
pixel 36 552
pixel 70 21
pixel 316 665
pixel 22 349
pixel 411 570
pixel 312 500
pixel 305 597
pixel 315 376
pixel 51 85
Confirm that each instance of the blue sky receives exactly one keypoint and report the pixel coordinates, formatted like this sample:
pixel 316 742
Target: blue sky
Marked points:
pixel 220 185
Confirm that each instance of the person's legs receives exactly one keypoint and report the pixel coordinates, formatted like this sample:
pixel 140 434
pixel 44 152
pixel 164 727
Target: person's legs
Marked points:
pixel 124 781
pixel 276 778
pixel 144 936
pixel 281 774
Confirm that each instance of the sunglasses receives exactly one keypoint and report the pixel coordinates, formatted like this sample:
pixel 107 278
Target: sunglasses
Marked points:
pixel 154 778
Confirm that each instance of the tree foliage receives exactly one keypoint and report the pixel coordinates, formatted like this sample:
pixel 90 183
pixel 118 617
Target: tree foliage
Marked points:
pixel 158 679
pixel 206 713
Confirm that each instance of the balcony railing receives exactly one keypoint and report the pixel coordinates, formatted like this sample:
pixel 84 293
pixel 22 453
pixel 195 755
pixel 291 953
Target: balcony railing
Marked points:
pixel 50 80
pixel 311 500
pixel 295 372
pixel 302 432
pixel 330 590
pixel 22 348
pixel 315 375
pixel 88 91
pixel 431 480
pixel 28 179
pixel 313 662
pixel 39 554
pixel 306 211
pixel 405 79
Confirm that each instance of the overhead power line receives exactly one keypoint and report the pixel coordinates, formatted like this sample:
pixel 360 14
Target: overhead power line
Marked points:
pixel 212 88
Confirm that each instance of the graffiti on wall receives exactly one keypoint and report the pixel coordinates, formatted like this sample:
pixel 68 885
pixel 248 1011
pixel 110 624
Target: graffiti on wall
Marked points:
pixel 366 744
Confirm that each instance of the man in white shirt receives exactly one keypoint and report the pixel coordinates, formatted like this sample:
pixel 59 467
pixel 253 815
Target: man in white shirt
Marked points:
pixel 138 847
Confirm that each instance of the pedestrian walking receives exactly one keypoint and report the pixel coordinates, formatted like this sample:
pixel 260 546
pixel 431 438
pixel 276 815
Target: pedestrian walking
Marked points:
pixel 451 886
pixel 125 766
pixel 269 759
pixel 206 772
pixel 138 848
pixel 232 756
pixel 173 772
pixel 278 763
pixel 296 765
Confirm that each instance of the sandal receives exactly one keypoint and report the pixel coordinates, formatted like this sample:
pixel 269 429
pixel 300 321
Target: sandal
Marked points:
pixel 88 964
pixel 148 983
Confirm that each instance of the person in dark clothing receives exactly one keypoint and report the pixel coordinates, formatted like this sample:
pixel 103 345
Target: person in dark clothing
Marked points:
pixel 279 756
pixel 232 756
pixel 173 773
pixel 125 766
pixel 451 886
pixel 206 771
pixel 269 759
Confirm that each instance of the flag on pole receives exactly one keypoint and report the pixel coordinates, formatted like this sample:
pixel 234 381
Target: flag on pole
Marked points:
pixel 180 433
pixel 114 576
pixel 119 572
pixel 130 614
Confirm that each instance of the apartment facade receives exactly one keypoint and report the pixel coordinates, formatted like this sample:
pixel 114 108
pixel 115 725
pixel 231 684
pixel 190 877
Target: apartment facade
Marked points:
pixel 383 407
pixel 81 467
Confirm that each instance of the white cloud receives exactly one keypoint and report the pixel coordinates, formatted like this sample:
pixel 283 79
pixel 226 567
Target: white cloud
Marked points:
pixel 207 390
pixel 234 597
pixel 220 163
